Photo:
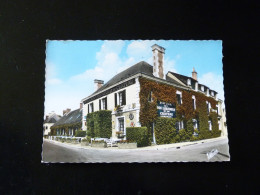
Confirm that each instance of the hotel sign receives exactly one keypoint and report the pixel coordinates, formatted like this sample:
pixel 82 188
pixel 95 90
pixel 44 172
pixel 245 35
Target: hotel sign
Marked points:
pixel 166 110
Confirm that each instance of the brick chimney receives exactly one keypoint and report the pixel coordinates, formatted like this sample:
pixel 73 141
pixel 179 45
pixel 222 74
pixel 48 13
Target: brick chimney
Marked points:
pixel 98 83
pixel 80 105
pixel 194 74
pixel 66 111
pixel 158 61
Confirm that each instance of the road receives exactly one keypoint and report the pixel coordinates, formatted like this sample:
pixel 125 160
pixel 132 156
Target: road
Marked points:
pixel 60 152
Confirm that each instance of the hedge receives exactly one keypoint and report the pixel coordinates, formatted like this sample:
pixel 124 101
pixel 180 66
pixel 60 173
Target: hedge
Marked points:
pixel 99 124
pixel 165 131
pixel 140 135
pixel 80 133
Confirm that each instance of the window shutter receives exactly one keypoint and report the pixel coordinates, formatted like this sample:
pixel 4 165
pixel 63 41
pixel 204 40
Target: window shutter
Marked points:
pixel 124 98
pixel 115 99
pixel 99 104
pixel 105 103
pixel 88 108
pixel 92 107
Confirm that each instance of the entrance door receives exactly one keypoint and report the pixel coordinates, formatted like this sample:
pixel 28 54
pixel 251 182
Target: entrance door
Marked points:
pixel 121 124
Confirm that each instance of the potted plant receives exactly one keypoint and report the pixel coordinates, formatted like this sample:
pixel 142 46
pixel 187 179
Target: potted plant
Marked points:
pixel 118 108
pixel 120 134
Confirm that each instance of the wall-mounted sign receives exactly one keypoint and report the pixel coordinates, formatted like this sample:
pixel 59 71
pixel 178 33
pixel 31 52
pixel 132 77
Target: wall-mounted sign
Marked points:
pixel 131 116
pixel 166 110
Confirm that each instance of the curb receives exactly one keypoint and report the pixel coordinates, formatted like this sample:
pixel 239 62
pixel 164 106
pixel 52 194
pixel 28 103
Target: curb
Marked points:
pixel 156 147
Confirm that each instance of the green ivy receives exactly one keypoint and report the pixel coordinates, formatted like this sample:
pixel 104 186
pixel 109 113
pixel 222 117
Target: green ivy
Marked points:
pixel 99 124
pixel 140 135
pixel 165 131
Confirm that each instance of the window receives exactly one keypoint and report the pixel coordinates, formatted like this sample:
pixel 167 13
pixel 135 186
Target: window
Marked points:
pixel 202 88
pixel 212 93
pixel 179 98
pixel 121 124
pixel 189 82
pixel 103 104
pixel 217 110
pixel 150 97
pixel 207 106
pixel 121 99
pixel 46 127
pixel 195 123
pixel 210 125
pixel 179 125
pixel 90 107
pixel 194 102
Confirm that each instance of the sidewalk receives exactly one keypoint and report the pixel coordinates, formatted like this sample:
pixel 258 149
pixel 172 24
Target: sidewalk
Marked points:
pixel 155 147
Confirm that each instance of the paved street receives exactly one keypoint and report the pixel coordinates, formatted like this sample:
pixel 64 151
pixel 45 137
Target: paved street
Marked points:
pixel 60 152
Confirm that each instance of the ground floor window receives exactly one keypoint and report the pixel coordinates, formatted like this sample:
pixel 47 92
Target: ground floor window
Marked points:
pixel 179 125
pixel 210 125
pixel 121 124
pixel 195 123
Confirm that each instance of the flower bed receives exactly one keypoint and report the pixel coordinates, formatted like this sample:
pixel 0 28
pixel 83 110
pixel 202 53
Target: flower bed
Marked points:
pixel 99 144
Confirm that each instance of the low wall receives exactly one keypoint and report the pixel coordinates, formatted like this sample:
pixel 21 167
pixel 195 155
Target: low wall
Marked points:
pixel 127 145
pixel 84 143
pixel 98 145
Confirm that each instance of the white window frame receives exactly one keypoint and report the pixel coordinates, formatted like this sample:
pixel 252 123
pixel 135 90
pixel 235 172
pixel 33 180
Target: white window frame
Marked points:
pixel 179 93
pixel 117 123
pixel 196 123
pixel 103 103
pixel 194 98
pixel 210 125
pixel 189 82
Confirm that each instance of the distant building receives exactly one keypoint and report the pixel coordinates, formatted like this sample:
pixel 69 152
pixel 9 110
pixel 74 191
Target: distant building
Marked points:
pixel 69 123
pixel 49 121
pixel 123 91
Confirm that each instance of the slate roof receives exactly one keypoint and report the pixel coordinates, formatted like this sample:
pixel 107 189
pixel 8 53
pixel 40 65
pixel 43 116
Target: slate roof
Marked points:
pixel 182 78
pixel 52 119
pixel 144 68
pixel 141 67
pixel 74 116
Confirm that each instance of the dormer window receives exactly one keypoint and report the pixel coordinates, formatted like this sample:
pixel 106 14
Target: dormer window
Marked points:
pixel 189 82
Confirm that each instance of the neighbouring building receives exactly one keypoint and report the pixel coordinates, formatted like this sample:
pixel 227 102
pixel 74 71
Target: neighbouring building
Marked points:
pixel 49 121
pixel 124 96
pixel 70 122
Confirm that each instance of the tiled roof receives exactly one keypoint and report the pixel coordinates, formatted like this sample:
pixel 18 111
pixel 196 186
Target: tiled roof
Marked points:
pixel 70 118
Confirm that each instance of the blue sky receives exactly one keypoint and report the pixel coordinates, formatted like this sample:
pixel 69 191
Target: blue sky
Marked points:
pixel 72 66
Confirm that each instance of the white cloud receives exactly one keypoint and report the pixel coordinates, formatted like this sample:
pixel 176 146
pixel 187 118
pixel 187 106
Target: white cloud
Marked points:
pixel 68 94
pixel 214 82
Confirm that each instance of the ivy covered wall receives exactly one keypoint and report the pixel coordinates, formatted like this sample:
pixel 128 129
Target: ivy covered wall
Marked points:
pixel 66 127
pixel 184 112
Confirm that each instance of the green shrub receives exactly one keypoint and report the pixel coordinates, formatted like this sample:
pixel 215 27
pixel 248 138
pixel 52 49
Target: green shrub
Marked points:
pixel 99 124
pixel 194 138
pixel 80 133
pixel 165 131
pixel 189 128
pixel 140 135
pixel 184 136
